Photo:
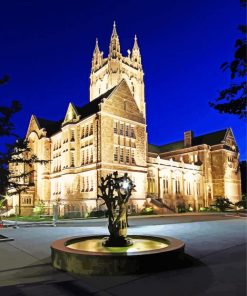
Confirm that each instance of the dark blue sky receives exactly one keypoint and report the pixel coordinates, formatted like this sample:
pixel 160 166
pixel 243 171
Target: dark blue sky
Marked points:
pixel 46 47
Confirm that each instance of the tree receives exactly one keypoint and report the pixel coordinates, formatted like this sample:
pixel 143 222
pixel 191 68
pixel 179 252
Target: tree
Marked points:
pixel 17 166
pixel 233 99
pixel 13 179
pixel 6 130
pixel 6 114
pixel 116 191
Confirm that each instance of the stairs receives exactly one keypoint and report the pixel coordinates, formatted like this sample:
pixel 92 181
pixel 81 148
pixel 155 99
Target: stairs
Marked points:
pixel 160 207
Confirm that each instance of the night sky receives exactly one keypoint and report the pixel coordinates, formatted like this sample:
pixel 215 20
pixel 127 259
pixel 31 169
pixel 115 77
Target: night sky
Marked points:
pixel 46 47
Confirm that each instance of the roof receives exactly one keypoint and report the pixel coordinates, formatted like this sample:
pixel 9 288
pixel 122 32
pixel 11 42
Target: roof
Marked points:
pixel 93 106
pixel 52 127
pixel 210 139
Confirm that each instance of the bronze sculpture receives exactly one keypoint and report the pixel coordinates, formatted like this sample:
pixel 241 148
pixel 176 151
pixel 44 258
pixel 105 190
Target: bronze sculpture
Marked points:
pixel 116 191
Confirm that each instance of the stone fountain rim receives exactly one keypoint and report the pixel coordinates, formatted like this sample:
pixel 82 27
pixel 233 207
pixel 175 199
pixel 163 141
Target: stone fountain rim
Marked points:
pixel 61 245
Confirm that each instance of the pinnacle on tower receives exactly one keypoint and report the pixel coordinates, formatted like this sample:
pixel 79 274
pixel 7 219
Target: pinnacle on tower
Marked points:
pixel 114 49
pixel 135 47
pixel 96 49
pixel 97 57
pixel 114 31
pixel 136 55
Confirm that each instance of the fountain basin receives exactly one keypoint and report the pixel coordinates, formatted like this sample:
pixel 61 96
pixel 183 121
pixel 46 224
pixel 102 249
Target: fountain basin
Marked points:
pixel 86 255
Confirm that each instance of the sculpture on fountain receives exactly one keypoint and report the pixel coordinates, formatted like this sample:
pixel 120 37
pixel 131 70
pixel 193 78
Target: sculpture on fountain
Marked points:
pixel 116 192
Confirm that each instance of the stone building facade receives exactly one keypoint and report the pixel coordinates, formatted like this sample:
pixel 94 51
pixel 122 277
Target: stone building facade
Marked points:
pixel 109 134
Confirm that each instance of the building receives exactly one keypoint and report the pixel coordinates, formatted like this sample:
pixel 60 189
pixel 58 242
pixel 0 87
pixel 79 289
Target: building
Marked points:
pixel 109 134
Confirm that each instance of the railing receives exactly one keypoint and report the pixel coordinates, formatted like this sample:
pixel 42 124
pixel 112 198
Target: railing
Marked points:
pixel 174 164
pixel 160 204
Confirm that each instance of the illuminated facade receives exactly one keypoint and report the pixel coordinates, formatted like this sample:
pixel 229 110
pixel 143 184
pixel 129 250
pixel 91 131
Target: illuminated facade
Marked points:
pixel 109 134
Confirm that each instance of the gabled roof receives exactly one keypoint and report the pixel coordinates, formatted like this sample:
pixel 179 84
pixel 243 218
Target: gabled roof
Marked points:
pixel 210 139
pixel 50 126
pixel 93 106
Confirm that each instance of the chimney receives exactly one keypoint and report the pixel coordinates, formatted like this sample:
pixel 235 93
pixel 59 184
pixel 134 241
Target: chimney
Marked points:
pixel 188 136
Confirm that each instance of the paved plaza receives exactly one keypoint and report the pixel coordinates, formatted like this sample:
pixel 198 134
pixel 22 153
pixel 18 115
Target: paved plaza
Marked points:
pixel 218 245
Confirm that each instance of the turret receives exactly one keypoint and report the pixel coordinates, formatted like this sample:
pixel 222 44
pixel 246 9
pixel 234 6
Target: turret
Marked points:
pixel 114 49
pixel 136 56
pixel 97 57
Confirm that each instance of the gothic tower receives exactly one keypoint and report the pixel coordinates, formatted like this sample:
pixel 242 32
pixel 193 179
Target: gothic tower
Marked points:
pixel 108 72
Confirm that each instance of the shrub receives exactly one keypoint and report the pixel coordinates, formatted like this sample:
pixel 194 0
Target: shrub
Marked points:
pixel 147 211
pixel 74 214
pixel 222 203
pixel 39 208
pixel 97 214
pixel 204 209
pixel 181 208
pixel 190 209
pixel 242 203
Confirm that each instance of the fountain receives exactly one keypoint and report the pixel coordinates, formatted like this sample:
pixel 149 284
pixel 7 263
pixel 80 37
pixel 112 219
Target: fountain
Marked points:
pixel 116 254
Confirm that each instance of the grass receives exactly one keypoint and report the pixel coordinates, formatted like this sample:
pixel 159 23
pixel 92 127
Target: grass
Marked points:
pixel 29 218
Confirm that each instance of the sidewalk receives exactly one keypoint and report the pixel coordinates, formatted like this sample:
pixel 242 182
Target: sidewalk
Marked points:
pixel 219 245
pixel 95 220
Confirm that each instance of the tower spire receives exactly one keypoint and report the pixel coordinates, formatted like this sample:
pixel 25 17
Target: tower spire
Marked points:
pixel 135 47
pixel 136 55
pixel 96 49
pixel 114 30
pixel 97 57
pixel 114 49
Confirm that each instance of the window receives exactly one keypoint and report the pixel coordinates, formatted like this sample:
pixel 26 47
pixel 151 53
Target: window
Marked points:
pixel 165 185
pixel 115 127
pixel 132 156
pixel 151 185
pixel 86 160
pixel 26 200
pixel 132 132
pixel 177 186
pixel 87 184
pixel 115 153
pixel 82 157
pixel 121 129
pixel 86 133
pixel 91 155
pixel 188 188
pixel 121 154
pixel 72 159
pixel 91 187
pixel 127 130
pixel 72 138
pixel 91 129
pixel 82 132
pixel 127 155
pixel 82 184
